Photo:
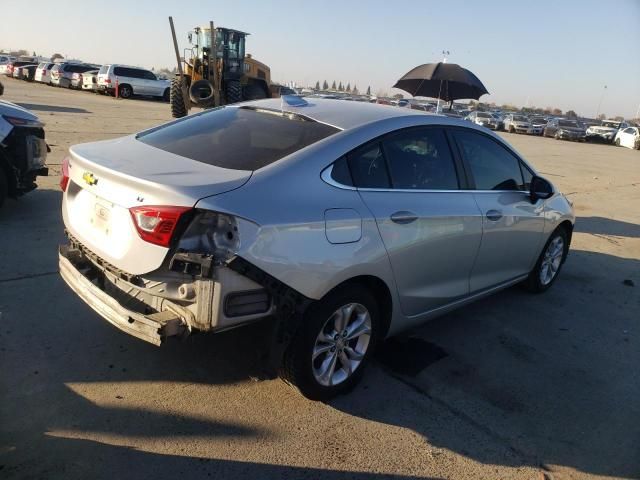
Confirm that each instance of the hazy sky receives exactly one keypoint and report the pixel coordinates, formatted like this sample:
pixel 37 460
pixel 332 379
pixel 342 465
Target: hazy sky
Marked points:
pixel 547 53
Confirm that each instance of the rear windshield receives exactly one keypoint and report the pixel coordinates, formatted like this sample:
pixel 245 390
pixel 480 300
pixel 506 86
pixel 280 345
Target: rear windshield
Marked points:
pixel 237 138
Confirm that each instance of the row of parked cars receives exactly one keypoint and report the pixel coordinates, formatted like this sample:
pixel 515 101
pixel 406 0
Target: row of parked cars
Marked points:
pixel 113 79
pixel 615 132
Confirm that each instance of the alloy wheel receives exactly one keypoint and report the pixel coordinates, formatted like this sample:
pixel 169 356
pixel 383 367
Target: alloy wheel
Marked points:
pixel 341 344
pixel 551 260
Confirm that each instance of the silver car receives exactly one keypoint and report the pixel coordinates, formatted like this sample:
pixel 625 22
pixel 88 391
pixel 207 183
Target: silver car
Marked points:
pixel 343 222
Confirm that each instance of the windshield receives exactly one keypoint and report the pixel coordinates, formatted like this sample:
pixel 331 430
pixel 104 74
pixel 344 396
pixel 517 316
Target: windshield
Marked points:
pixel 520 118
pixel 610 124
pixel 539 120
pixel 483 115
pixel 237 138
pixel 568 123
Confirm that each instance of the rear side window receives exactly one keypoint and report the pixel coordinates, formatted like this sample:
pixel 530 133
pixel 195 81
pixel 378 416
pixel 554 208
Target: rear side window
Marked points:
pixel 420 159
pixel 368 167
pixel 237 138
pixel 493 167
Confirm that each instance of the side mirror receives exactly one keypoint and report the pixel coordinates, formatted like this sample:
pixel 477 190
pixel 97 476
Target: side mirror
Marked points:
pixel 540 189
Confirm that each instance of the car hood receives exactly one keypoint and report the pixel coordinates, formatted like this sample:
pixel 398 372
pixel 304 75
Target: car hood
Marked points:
pixel 603 129
pixel 13 110
pixel 572 129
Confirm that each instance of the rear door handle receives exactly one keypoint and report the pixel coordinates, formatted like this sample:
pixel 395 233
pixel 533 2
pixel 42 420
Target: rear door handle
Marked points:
pixel 494 215
pixel 403 217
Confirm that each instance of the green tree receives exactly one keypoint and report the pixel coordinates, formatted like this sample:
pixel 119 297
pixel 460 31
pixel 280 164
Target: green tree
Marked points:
pixel 317 85
pixel 55 56
pixel 333 85
pixel 602 116
pixel 571 114
pixel 355 90
pixel 556 111
pixel 340 87
pixel 325 85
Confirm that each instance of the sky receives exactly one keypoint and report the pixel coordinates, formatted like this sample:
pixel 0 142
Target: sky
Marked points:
pixel 540 53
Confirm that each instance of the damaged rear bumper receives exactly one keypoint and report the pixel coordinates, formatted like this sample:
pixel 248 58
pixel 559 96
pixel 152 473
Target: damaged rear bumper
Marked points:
pixel 151 328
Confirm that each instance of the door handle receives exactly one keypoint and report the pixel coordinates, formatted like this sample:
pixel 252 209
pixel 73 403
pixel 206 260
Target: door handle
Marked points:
pixel 403 217
pixel 494 215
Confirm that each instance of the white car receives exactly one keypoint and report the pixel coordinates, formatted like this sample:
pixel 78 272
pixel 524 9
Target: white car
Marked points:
pixel 629 137
pixel 43 72
pixel 484 119
pixel 517 124
pixel 131 81
pixel 607 131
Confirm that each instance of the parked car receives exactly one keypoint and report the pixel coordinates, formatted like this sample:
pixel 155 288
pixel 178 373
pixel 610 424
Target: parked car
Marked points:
pixel 606 131
pixel 89 80
pixel 4 62
pixel 498 119
pixel 366 226
pixel 484 119
pixel 9 67
pixel 514 123
pixel 629 137
pixel 131 81
pixel 564 129
pixel 62 73
pixel 537 124
pixel 43 72
pixel 23 150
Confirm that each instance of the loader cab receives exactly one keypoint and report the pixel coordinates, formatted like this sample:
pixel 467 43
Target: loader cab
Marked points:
pixel 230 49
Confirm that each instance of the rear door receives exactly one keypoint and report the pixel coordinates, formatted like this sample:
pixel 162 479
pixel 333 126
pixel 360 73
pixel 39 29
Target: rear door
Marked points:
pixel 512 225
pixel 430 228
pixel 151 83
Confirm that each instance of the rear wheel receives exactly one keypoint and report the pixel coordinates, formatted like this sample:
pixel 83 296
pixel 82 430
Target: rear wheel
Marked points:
pixel 328 354
pixel 166 96
pixel 549 263
pixel 176 99
pixel 617 142
pixel 125 91
pixel 234 91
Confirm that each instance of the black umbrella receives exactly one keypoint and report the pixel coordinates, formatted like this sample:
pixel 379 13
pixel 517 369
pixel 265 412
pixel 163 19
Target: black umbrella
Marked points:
pixel 447 81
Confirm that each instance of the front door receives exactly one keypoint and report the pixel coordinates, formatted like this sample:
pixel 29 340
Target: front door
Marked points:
pixel 430 228
pixel 512 226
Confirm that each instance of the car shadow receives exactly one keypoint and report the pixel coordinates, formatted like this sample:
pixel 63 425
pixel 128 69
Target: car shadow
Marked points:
pixel 607 226
pixel 52 108
pixel 552 377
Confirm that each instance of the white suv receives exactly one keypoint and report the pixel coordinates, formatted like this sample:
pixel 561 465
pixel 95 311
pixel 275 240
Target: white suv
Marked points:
pixel 131 81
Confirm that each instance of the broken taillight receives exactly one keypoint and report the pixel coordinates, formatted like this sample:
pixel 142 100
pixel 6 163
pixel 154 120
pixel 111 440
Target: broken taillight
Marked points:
pixel 157 224
pixel 64 180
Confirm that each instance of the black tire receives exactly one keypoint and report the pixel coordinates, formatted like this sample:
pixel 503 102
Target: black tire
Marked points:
pixel 178 108
pixel 125 91
pixel 234 91
pixel 4 187
pixel 617 142
pixel 253 92
pixel 511 129
pixel 298 365
pixel 533 282
pixel 166 96
pixel 201 92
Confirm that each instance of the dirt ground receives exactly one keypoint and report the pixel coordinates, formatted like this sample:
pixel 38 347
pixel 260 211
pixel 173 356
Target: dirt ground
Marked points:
pixel 514 386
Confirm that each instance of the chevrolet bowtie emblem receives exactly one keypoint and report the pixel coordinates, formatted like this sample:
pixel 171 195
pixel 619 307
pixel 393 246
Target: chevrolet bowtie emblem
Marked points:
pixel 89 178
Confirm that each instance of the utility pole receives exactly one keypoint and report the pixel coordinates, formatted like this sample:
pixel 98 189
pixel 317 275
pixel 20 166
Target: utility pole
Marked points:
pixel 600 102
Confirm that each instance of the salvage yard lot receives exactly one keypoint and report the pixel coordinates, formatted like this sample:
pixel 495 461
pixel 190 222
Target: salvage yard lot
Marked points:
pixel 514 386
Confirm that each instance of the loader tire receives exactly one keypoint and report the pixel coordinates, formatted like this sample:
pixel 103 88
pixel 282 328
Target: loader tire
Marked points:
pixel 178 108
pixel 234 91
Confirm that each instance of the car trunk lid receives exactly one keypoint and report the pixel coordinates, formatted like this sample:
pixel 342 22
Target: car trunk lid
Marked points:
pixel 108 178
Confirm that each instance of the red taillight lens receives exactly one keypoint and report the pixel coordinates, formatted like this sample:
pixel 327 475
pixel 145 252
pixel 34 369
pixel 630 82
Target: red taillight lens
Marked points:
pixel 64 181
pixel 156 224
pixel 107 80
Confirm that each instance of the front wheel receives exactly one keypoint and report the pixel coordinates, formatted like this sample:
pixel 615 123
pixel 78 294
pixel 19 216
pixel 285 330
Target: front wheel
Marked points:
pixel 549 263
pixel 328 354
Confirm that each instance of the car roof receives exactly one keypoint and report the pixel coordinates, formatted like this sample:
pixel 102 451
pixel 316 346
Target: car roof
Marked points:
pixel 347 115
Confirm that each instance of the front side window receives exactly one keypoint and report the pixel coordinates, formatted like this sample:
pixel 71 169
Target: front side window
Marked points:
pixel 420 159
pixel 493 167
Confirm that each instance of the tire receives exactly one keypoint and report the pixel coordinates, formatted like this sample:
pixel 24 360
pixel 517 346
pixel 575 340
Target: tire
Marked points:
pixel 556 136
pixel 234 91
pixel 125 91
pixel 166 96
pixel 617 142
pixel 302 371
pixel 253 92
pixel 511 129
pixel 537 282
pixel 201 93
pixel 4 187
pixel 178 108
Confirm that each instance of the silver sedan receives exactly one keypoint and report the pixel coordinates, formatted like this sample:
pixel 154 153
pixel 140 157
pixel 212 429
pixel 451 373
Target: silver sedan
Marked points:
pixel 343 222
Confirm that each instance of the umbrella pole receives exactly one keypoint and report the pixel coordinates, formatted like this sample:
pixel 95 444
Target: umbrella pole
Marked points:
pixel 439 91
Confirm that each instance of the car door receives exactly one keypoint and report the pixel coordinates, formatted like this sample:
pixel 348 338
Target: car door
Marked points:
pixel 628 137
pixel 150 83
pixel 430 227
pixel 551 129
pixel 512 226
